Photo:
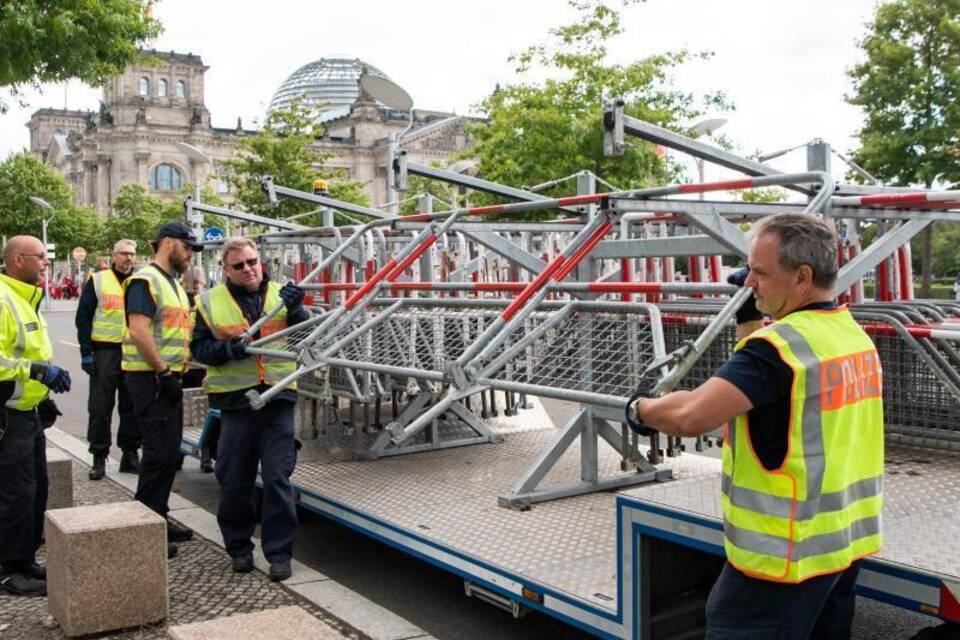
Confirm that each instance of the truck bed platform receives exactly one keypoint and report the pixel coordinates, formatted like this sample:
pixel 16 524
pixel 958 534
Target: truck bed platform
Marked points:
pixel 579 559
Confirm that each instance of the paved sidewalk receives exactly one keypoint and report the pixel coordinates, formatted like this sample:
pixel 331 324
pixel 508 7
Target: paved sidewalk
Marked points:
pixel 201 582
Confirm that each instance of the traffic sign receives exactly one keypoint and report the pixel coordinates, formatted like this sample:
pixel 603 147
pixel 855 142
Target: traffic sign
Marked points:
pixel 51 251
pixel 79 254
pixel 213 234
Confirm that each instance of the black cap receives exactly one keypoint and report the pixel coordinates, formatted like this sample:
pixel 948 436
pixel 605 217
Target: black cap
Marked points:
pixel 179 231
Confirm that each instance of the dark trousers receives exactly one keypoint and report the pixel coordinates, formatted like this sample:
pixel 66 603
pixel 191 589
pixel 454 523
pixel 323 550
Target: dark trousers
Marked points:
pixel 247 438
pixel 161 424
pixel 23 488
pixel 106 387
pixel 745 608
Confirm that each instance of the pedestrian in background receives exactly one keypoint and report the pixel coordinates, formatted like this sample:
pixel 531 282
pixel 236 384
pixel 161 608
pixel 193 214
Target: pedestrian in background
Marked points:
pixel 100 322
pixel 155 356
pixel 250 438
pixel 27 375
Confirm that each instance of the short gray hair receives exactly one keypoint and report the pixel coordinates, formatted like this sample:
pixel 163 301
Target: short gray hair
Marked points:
pixel 237 244
pixel 125 242
pixel 805 239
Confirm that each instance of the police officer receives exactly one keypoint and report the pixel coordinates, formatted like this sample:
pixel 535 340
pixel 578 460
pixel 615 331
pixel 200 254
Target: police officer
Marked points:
pixel 27 375
pixel 100 321
pixel 250 437
pixel 803 450
pixel 154 357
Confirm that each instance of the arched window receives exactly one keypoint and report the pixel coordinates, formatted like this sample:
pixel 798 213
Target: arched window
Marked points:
pixel 162 88
pixel 181 89
pixel 165 177
pixel 144 86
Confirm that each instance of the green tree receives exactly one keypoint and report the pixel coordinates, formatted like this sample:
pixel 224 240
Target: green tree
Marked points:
pixel 137 215
pixel 908 86
pixel 537 132
pixel 283 148
pixel 43 41
pixel 22 175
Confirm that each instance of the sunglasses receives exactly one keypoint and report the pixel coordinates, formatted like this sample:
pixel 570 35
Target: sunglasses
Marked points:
pixel 238 266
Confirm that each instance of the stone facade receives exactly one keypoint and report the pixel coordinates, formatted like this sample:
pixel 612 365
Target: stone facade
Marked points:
pixel 158 103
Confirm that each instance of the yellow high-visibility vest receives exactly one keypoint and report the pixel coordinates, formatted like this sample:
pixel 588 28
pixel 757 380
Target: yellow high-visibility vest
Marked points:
pixel 225 319
pixel 170 325
pixel 23 340
pixel 821 510
pixel 108 321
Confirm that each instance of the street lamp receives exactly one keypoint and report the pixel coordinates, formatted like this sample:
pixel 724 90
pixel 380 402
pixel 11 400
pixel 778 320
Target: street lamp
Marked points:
pixel 196 156
pixel 705 128
pixel 43 204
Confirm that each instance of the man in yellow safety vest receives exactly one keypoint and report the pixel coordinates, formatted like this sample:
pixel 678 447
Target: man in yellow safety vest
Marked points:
pixel 248 437
pixel 155 355
pixel 803 451
pixel 100 322
pixel 27 375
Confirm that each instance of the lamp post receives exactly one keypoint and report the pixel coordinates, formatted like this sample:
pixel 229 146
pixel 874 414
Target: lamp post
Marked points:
pixel 196 156
pixel 705 128
pixel 43 204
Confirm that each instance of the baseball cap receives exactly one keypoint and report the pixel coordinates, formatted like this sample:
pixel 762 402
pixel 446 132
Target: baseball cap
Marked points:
pixel 179 231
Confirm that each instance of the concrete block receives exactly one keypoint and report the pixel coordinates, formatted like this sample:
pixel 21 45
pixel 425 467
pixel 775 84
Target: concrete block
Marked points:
pixel 60 476
pixel 106 567
pixel 284 623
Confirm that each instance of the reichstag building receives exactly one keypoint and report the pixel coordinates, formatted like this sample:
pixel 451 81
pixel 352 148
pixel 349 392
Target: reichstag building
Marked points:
pixel 158 103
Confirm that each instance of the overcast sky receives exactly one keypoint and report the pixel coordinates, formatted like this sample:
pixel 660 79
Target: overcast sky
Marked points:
pixel 782 63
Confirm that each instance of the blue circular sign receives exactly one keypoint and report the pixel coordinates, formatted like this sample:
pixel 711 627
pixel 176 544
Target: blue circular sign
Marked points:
pixel 213 234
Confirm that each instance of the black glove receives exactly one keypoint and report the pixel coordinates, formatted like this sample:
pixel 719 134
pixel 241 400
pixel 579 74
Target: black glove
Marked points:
pixel 292 296
pixel 631 414
pixel 236 348
pixel 170 388
pixel 47 411
pixel 748 311
pixel 88 363
pixel 55 378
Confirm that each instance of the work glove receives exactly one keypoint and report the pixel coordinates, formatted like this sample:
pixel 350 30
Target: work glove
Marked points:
pixel 292 296
pixel 236 348
pixel 55 378
pixel 748 311
pixel 631 414
pixel 88 364
pixel 47 411
pixel 171 389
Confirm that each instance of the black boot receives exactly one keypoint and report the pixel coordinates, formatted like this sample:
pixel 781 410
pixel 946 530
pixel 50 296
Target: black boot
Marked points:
pixel 130 462
pixel 21 584
pixel 99 468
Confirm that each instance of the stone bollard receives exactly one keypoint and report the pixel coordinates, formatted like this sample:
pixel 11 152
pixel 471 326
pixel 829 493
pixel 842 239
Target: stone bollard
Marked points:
pixel 106 567
pixel 60 476
pixel 284 623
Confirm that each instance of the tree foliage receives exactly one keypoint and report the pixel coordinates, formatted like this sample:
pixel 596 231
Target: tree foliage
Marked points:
pixel 537 132
pixel 22 175
pixel 283 148
pixel 136 215
pixel 908 86
pixel 43 41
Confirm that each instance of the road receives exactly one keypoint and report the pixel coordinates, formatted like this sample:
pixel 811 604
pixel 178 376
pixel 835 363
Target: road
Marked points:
pixel 427 597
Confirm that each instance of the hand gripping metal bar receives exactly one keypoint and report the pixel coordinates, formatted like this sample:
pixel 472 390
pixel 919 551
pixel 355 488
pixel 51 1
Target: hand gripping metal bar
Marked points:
pixel 693 352
pixel 324 264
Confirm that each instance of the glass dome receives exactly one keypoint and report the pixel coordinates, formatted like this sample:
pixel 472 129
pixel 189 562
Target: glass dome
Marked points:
pixel 329 85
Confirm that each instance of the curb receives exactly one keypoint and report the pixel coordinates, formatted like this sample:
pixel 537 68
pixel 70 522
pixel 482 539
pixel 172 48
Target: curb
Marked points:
pixel 356 610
